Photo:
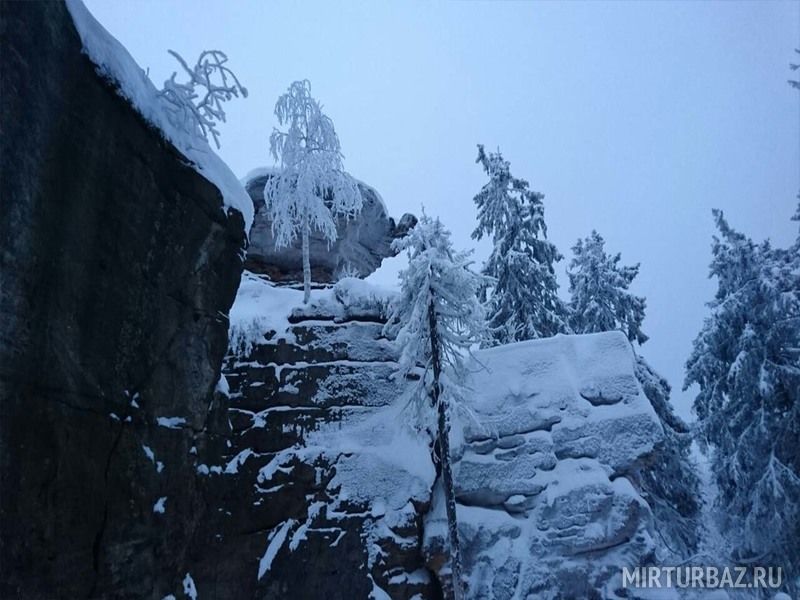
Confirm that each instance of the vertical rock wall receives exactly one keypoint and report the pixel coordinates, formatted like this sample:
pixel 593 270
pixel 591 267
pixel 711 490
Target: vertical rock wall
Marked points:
pixel 117 268
pixel 324 488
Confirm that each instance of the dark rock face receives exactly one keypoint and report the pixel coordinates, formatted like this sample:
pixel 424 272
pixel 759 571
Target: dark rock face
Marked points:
pixel 117 267
pixel 361 245
pixel 305 517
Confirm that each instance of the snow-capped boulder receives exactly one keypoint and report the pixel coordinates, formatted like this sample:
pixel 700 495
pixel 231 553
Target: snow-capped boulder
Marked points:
pixel 554 426
pixel 361 245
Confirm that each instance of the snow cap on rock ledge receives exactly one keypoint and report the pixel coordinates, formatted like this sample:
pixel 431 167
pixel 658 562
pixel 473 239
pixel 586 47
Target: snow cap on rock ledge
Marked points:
pixel 115 64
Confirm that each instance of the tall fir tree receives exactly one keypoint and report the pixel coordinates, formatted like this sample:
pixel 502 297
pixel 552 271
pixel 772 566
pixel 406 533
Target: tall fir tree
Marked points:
pixel 601 301
pixel 523 302
pixel 435 321
pixel 746 363
pixel 670 482
pixel 598 285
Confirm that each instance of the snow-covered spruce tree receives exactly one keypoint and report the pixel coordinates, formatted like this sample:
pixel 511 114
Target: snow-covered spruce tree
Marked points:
pixel 523 302
pixel 435 320
pixel 598 285
pixel 670 482
pixel 601 301
pixel 196 105
pixel 312 187
pixel 746 362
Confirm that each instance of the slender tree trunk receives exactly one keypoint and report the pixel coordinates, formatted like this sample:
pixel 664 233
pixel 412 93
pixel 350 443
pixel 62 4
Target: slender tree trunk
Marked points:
pixel 306 264
pixel 445 468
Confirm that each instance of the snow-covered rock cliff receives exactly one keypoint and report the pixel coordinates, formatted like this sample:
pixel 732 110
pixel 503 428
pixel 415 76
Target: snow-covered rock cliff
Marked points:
pixel 325 487
pixel 550 432
pixel 331 472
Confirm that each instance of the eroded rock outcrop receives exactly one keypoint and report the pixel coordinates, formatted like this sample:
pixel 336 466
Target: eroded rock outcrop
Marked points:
pixel 361 245
pixel 328 468
pixel 555 429
pixel 118 265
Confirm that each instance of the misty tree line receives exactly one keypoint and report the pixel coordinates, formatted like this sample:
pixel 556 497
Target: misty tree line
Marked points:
pixel 745 360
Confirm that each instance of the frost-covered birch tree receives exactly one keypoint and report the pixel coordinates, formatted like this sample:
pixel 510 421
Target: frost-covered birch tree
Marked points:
pixel 523 301
pixel 746 363
pixel 311 188
pixel 435 321
pixel 598 286
pixel 196 105
pixel 601 301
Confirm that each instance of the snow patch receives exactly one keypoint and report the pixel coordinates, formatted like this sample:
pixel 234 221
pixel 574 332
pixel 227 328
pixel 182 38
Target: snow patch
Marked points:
pixel 387 276
pixel 189 588
pixel 276 539
pixel 357 295
pixel 258 172
pixel 233 466
pixel 171 422
pixel 260 308
pixel 222 386
pixel 160 506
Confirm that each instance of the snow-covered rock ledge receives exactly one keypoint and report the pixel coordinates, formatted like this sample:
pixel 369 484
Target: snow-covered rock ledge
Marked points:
pixel 553 428
pixel 543 455
pixel 116 64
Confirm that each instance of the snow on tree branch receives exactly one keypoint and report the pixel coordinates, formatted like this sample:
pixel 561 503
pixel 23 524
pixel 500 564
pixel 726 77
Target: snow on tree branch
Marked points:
pixel 435 321
pixel 196 104
pixel 795 67
pixel 746 363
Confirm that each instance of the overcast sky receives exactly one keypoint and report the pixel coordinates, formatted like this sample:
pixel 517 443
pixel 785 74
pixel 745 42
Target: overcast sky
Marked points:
pixel 632 118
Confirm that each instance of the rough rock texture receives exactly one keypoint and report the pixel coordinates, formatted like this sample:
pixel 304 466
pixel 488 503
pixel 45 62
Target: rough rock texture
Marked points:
pixel 131 470
pixel 546 509
pixel 326 490
pixel 322 469
pixel 117 267
pixel 361 245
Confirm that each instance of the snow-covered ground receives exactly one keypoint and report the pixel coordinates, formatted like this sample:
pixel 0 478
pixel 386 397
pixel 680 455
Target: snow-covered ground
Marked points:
pixel 263 308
